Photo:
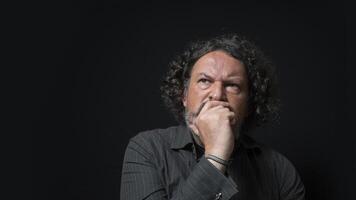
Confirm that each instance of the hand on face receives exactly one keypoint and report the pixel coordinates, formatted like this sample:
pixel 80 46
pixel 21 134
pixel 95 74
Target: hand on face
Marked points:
pixel 214 126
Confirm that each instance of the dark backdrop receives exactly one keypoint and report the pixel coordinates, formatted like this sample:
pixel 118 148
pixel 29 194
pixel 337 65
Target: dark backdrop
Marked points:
pixel 98 67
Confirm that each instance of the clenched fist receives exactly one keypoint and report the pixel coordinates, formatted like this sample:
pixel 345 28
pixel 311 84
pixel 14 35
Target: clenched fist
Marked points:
pixel 214 126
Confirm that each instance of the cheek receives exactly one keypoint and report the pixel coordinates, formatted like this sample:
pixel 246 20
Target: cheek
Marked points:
pixel 194 97
pixel 239 105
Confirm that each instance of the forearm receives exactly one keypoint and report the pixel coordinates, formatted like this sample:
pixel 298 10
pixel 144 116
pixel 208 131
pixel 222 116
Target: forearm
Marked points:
pixel 205 182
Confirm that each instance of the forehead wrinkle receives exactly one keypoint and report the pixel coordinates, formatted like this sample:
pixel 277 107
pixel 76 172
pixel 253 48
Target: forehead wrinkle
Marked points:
pixel 222 72
pixel 215 67
pixel 219 68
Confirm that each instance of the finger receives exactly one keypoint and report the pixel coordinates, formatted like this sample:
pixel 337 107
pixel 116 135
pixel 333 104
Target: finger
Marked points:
pixel 214 103
pixel 221 111
pixel 219 108
pixel 210 104
pixel 200 108
pixel 225 112
pixel 232 118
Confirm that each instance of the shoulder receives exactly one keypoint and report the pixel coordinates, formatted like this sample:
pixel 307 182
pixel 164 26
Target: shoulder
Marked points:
pixel 286 174
pixel 277 159
pixel 283 172
pixel 274 158
pixel 283 169
pixel 157 135
pixel 160 138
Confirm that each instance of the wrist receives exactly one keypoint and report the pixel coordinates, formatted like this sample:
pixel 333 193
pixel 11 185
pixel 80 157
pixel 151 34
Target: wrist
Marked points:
pixel 217 165
pixel 222 154
pixel 217 159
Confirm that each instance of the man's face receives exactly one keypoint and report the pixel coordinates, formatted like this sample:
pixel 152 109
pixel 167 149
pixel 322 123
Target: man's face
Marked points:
pixel 220 77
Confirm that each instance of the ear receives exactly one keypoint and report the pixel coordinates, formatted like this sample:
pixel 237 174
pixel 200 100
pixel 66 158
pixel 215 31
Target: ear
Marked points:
pixel 185 93
pixel 184 98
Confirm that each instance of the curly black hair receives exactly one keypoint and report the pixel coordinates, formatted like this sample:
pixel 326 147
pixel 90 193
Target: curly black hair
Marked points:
pixel 263 100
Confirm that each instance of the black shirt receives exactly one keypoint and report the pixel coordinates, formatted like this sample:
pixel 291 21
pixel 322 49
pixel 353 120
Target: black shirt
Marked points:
pixel 167 164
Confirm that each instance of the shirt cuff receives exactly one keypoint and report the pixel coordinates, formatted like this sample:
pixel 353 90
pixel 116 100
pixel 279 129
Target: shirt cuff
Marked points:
pixel 211 182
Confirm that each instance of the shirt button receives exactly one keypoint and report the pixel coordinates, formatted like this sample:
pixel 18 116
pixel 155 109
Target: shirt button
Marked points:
pixel 218 196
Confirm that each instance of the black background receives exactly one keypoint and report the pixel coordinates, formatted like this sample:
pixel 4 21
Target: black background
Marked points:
pixel 96 68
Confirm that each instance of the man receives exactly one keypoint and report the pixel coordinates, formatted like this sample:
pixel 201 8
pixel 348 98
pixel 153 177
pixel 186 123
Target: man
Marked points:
pixel 219 89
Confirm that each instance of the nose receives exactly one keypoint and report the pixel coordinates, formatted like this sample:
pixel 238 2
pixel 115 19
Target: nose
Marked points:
pixel 217 92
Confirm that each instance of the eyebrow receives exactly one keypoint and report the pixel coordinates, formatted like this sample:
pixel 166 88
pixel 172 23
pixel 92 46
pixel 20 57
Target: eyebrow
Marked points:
pixel 228 78
pixel 205 75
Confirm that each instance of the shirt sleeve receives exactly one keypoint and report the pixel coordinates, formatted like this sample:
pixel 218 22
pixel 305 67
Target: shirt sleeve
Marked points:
pixel 141 180
pixel 290 183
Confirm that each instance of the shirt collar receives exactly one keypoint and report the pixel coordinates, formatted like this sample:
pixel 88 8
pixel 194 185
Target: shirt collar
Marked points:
pixel 182 138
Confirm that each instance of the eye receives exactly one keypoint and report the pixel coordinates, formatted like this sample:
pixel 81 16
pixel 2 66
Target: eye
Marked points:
pixel 232 87
pixel 204 83
pixel 204 80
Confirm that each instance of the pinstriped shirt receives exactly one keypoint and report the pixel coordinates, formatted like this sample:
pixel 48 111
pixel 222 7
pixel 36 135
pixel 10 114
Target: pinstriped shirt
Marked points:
pixel 167 164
